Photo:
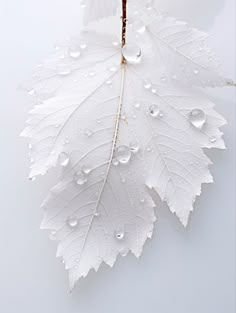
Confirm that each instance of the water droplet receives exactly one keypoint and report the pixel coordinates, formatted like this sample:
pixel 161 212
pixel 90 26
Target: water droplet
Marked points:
pixel 72 222
pixel 154 110
pixel 64 159
pixel 53 235
pixel 31 92
pixel 197 118
pixel 88 132
pixel 147 85
pixel 83 46
pixel 154 91
pixel 142 200
pixel 86 169
pixel 132 53
pixel 80 178
pixel 63 70
pixel 113 69
pixel 109 82
pixel 115 43
pixel 139 26
pixel 123 180
pixel 74 52
pixel 163 79
pixel 119 235
pixel 32 178
pixel 196 71
pixel 137 105
pixel 123 154
pixel 30 146
pixel 96 214
pixel 115 162
pixel 134 146
pixel 161 114
pixel 213 139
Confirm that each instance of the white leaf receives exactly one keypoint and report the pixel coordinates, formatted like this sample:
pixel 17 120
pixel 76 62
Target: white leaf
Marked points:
pixel 97 9
pixel 184 50
pixel 99 113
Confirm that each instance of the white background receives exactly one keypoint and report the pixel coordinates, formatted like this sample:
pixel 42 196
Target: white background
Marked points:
pixel 181 271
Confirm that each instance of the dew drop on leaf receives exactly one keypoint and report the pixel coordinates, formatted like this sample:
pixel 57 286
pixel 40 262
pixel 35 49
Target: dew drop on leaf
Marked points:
pixel 74 52
pixel 80 178
pixel 213 139
pixel 139 26
pixel 197 118
pixel 64 159
pixel 119 235
pixel 72 222
pixel 134 146
pixel 132 53
pixel 123 154
pixel 154 110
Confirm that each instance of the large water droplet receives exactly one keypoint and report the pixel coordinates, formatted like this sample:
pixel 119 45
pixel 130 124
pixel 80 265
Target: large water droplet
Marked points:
pixel 80 178
pixel 154 110
pixel 132 53
pixel 123 154
pixel 197 118
pixel 64 159
pixel 72 222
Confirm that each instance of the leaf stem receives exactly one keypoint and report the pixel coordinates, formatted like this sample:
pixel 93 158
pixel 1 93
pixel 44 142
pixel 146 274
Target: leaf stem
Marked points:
pixel 124 24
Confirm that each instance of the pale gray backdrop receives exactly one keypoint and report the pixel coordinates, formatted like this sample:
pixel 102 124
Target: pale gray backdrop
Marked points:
pixel 181 271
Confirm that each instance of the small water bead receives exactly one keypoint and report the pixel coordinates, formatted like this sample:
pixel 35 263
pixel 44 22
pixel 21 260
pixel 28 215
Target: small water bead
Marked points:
pixel 132 53
pixel 139 26
pixel 81 178
pixel 154 110
pixel 196 71
pixel 74 52
pixel 30 146
pixel 134 146
pixel 109 82
pixel 115 162
pixel 147 85
pixel 119 235
pixel 142 200
pixel 63 70
pixel 88 132
pixel 32 178
pixel 123 154
pixel 72 222
pixel 53 235
pixel 163 79
pixel 115 43
pixel 96 214
pixel 83 46
pixel 31 92
pixel 113 69
pixel 137 105
pixel 213 139
pixel 86 169
pixel 64 159
pixel 197 118
pixel 161 114
pixel 123 180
